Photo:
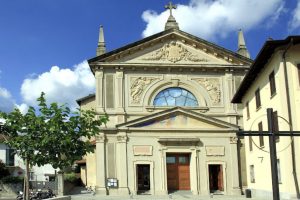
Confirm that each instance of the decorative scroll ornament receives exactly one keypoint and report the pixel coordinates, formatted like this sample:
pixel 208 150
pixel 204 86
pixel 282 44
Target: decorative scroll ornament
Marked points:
pixel 212 85
pixel 233 140
pixel 174 52
pixel 138 86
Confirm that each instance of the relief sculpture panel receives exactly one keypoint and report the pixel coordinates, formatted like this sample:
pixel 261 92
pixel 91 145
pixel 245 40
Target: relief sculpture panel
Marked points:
pixel 138 86
pixel 175 52
pixel 212 85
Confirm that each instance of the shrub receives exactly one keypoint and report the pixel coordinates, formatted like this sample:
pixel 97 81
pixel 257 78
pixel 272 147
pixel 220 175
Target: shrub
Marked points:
pixel 12 179
pixel 70 177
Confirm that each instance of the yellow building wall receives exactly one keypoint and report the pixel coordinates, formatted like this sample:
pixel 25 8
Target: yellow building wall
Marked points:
pixel 259 156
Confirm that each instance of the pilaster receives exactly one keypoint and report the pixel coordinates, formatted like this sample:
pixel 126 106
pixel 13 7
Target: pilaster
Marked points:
pixel 99 90
pixel 122 168
pixel 100 165
pixel 229 92
pixel 164 186
pixel 119 94
pixel 234 188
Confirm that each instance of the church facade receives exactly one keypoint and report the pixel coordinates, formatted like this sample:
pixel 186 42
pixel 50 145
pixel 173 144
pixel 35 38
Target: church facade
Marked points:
pixel 172 125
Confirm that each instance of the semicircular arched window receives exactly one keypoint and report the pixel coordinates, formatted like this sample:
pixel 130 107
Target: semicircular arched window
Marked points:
pixel 175 96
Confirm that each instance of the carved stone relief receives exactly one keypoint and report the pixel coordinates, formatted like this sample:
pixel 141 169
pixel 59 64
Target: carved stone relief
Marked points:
pixel 137 87
pixel 174 52
pixel 212 85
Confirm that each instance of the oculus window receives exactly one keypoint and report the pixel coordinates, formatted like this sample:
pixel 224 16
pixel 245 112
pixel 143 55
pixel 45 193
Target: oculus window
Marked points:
pixel 175 96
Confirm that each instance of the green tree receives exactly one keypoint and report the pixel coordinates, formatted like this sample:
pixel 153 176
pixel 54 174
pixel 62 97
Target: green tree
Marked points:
pixel 50 134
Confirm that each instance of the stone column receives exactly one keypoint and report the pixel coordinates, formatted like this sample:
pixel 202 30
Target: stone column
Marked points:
pixel 122 168
pixel 100 165
pixel 234 188
pixel 60 183
pixel 99 90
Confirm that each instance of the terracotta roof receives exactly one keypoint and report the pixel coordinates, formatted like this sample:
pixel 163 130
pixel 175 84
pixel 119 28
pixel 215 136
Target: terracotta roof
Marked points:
pixel 84 98
pixel 83 161
pixel 3 138
pixel 262 58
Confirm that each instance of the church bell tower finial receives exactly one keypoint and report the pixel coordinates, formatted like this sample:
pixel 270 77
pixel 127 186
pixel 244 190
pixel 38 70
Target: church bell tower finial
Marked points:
pixel 101 49
pixel 242 49
pixel 171 23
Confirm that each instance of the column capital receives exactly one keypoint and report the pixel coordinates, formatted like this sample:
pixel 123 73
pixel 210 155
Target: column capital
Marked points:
pixel 99 74
pixel 122 138
pixel 100 138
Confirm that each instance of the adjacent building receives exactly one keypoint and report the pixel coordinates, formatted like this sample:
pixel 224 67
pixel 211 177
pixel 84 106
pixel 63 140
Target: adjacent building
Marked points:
pixel 16 165
pixel 273 81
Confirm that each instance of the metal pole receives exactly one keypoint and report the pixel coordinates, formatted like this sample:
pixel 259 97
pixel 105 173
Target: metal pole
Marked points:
pixel 273 156
pixel 239 164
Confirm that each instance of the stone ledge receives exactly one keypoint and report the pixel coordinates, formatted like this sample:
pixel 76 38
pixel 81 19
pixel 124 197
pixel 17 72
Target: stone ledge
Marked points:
pixel 62 198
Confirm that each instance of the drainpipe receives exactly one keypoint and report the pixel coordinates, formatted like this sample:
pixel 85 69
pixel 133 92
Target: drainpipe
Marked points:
pixel 290 118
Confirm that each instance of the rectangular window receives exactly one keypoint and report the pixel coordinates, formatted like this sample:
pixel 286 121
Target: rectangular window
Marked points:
pixel 272 83
pixel 10 157
pixel 278 170
pixel 250 143
pixel 171 159
pixel 257 98
pixel 248 111
pixel 298 67
pixel 275 125
pixel 261 138
pixel 252 175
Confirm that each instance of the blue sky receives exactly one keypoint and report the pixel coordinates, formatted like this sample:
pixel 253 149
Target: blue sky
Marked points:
pixel 36 35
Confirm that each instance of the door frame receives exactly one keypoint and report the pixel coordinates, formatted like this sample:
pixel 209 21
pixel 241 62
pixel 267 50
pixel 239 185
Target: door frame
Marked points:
pixel 150 163
pixel 194 184
pixel 223 165
pixel 177 155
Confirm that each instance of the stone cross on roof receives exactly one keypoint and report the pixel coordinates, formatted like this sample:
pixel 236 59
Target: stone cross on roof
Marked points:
pixel 171 23
pixel 170 6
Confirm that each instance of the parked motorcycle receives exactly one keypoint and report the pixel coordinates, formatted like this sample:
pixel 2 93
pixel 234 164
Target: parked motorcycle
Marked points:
pixel 38 195
pixel 20 195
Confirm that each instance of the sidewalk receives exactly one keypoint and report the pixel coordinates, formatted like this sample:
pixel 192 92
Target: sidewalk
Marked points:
pixel 154 197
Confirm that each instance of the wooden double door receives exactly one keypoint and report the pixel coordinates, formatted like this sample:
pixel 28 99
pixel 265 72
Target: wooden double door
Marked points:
pixel 178 171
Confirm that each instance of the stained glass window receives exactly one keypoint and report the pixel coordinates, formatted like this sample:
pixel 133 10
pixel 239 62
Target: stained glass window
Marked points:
pixel 175 96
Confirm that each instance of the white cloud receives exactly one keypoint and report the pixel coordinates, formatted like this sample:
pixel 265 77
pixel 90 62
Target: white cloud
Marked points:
pixel 60 85
pixel 23 108
pixel 210 19
pixel 295 22
pixel 6 101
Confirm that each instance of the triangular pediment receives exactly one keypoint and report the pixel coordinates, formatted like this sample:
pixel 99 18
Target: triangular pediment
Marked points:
pixel 172 47
pixel 178 118
pixel 173 51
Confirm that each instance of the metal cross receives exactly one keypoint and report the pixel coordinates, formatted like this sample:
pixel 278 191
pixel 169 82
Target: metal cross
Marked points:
pixel 273 153
pixel 170 6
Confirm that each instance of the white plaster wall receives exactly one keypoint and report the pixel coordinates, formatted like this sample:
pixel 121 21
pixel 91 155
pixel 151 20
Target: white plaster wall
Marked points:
pixel 3 152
